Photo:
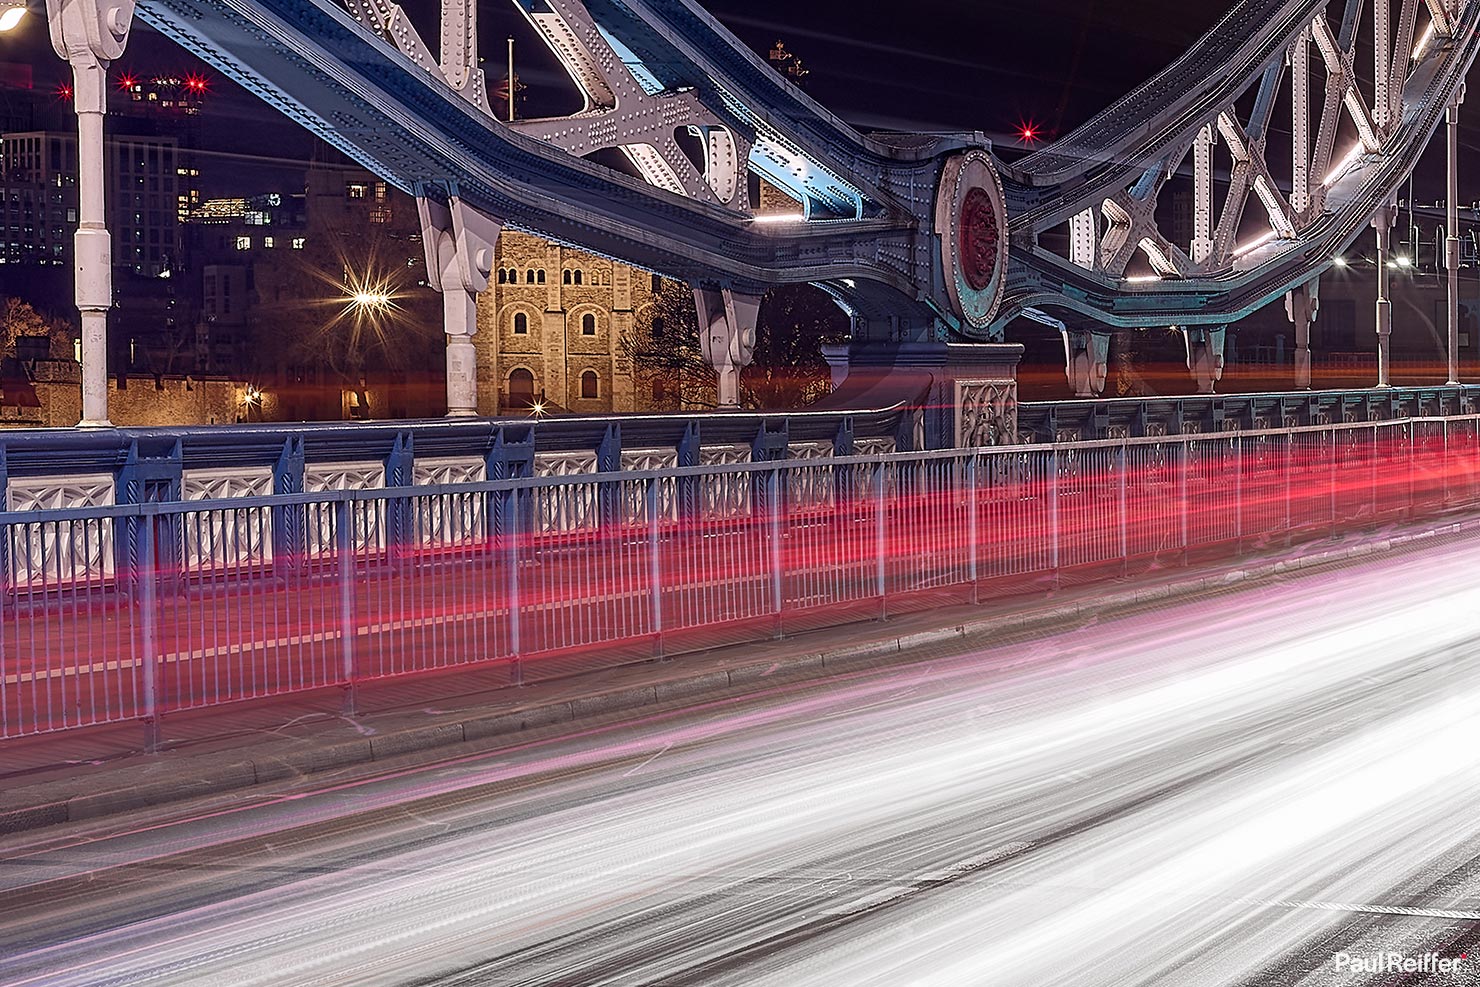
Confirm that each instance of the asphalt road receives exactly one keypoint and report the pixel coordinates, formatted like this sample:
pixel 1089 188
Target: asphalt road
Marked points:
pixel 1278 786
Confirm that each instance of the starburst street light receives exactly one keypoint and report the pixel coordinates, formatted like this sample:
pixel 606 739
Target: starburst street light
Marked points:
pixel 371 299
pixel 11 13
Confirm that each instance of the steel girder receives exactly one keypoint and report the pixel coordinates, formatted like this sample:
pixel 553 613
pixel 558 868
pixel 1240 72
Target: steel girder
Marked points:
pixel 871 218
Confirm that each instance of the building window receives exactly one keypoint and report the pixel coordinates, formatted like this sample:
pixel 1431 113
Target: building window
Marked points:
pixel 529 276
pixel 539 276
pixel 521 388
pixel 658 326
pixel 268 241
pixel 298 242
pixel 521 324
pixel 565 277
pixel 244 243
pixel 503 276
pixel 355 190
pixel 590 385
pixel 657 284
pixel 576 276
pixel 588 324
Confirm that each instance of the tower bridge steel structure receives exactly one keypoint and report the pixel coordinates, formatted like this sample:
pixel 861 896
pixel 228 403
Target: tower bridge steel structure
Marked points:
pixel 927 240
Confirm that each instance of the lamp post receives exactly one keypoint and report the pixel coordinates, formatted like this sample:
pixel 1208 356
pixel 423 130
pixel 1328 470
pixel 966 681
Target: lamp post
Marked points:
pixel 90 35
pixel 12 12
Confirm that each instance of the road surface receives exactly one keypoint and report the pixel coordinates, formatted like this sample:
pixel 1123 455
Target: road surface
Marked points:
pixel 1277 786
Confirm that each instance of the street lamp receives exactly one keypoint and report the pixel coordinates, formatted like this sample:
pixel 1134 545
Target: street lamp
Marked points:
pixel 371 299
pixel 11 13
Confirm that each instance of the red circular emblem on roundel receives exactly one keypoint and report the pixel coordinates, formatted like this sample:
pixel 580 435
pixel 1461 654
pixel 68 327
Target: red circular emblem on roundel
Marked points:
pixel 978 239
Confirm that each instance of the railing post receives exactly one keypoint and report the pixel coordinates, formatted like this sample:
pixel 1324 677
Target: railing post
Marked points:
pixel 1412 442
pixel 1053 515
pixel 148 616
pixel 773 505
pixel 1289 468
pixel 1331 447
pixel 1444 463
pixel 512 529
pixel 1125 544
pixel 1372 454
pixel 973 534
pixel 881 573
pixel 1182 500
pixel 655 565
pixel 1238 494
pixel 344 548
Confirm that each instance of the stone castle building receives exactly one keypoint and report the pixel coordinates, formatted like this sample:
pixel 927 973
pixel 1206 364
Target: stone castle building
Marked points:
pixel 551 327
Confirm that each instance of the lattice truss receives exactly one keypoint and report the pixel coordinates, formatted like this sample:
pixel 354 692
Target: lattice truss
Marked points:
pixel 635 105
pixel 1172 223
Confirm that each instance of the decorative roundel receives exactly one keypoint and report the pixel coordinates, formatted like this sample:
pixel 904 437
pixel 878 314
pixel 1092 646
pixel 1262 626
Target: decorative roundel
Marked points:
pixel 971 220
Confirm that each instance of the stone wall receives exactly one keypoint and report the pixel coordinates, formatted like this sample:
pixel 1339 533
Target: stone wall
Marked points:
pixel 52 398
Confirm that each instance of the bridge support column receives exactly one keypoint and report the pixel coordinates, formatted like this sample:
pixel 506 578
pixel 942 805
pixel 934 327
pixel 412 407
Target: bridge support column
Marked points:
pixel 1382 223
pixel 1205 355
pixel 1451 242
pixel 1301 305
pixel 727 318
pixel 90 34
pixel 1086 361
pixel 458 242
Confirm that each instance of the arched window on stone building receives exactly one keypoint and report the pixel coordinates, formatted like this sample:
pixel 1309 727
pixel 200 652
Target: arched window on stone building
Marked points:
pixel 529 276
pixel 521 324
pixel 590 385
pixel 588 324
pixel 565 276
pixel 539 276
pixel 521 388
pixel 576 275
pixel 503 276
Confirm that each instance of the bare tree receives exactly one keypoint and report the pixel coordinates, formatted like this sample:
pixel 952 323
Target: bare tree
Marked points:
pixel 787 371
pixel 667 354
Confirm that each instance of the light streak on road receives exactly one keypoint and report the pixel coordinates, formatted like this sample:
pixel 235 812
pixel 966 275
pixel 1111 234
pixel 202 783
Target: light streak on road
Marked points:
pixel 1225 792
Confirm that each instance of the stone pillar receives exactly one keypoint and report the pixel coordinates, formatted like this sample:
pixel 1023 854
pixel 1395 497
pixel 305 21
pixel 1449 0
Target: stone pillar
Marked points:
pixel 1382 223
pixel 836 355
pixel 727 318
pixel 1301 305
pixel 1086 361
pixel 1205 355
pixel 459 246
pixel 90 35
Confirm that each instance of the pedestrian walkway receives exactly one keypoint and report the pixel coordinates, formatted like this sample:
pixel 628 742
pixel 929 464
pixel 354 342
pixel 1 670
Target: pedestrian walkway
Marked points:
pixel 90 772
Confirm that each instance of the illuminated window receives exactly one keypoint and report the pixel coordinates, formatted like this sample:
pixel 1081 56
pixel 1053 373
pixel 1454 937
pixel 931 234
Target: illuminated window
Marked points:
pixel 590 385
pixel 244 243
pixel 268 241
pixel 355 190
pixel 298 242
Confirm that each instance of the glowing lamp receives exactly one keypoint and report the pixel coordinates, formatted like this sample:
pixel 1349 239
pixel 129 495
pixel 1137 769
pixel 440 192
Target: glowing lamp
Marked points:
pixel 11 13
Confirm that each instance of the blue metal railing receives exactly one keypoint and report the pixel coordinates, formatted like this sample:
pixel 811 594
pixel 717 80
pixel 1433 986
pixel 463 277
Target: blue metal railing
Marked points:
pixel 533 576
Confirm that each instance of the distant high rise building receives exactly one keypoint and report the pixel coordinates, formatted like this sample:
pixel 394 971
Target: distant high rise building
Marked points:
pixel 38 182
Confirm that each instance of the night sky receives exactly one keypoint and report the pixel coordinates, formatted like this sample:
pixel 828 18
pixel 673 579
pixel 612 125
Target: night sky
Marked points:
pixel 924 65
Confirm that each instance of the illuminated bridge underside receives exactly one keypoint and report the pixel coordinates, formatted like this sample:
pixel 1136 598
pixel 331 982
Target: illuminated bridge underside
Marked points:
pixel 869 224
pixel 1210 113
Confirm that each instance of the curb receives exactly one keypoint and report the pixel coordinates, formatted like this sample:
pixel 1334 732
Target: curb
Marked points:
pixel 156 783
